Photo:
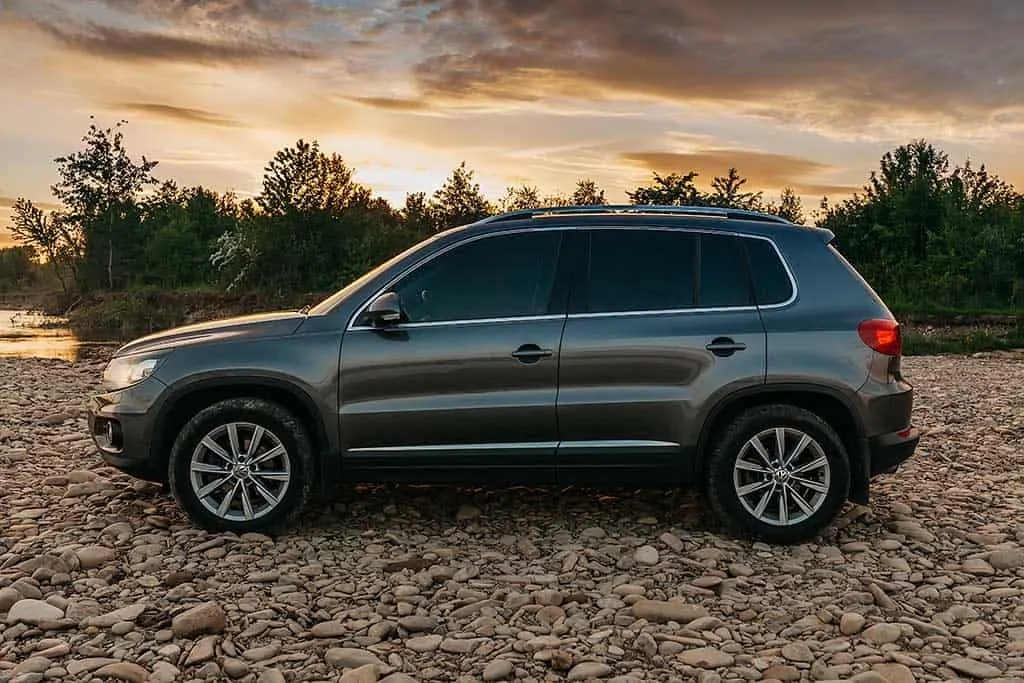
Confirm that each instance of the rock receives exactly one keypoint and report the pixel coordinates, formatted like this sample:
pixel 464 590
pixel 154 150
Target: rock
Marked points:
pixel 781 672
pixel 208 617
pixel 647 555
pixel 880 634
pixel 895 673
pixel 973 668
pixel 706 658
pixel 129 614
pixel 93 556
pixel 271 676
pixel 363 674
pixel 34 612
pixel 978 567
pixel 203 651
pixel 328 629
pixel 498 670
pixel 398 678
pixel 235 668
pixel 851 623
pixel 123 671
pixel 416 623
pixel 797 652
pixel 663 611
pixel 467 512
pixel 1005 560
pixel 424 643
pixel 8 596
pixel 587 670
pixel 80 666
pixel 351 658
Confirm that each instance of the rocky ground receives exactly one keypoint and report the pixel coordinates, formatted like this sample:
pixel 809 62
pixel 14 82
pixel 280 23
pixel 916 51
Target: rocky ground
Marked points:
pixel 103 578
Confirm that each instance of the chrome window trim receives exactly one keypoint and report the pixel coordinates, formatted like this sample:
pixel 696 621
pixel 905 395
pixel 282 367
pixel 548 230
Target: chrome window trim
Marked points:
pixel 352 327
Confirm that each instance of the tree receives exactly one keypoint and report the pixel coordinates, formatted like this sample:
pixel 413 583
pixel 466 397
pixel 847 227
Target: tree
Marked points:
pixel 459 201
pixel 789 207
pixel 670 190
pixel 49 234
pixel 520 198
pixel 587 193
pixel 727 192
pixel 16 268
pixel 99 187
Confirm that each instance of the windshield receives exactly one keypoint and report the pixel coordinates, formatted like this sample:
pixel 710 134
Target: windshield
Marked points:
pixel 330 302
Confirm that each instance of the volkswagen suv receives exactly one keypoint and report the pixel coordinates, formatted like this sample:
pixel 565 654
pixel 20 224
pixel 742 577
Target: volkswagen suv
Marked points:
pixel 622 345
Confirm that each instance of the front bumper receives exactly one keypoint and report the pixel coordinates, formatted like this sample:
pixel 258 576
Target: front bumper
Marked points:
pixel 120 424
pixel 889 451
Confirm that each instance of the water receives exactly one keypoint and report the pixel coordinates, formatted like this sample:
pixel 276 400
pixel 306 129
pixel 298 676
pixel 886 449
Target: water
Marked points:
pixel 31 335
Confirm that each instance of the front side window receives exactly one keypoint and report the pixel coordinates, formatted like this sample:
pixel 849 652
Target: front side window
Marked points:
pixel 504 276
pixel 641 270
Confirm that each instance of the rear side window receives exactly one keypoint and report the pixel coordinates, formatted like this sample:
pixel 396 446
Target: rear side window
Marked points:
pixel 771 282
pixel 641 270
pixel 724 281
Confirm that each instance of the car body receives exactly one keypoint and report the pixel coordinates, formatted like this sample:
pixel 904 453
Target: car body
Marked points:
pixel 625 346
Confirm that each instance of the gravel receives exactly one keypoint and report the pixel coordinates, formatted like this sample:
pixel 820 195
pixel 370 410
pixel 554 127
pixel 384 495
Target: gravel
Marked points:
pixel 103 578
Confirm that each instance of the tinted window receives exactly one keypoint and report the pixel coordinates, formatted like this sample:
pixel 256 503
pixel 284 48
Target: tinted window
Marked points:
pixel 724 280
pixel 641 270
pixel 494 277
pixel 771 283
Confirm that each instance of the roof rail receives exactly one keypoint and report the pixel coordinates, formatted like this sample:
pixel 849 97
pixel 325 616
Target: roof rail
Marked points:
pixel 639 209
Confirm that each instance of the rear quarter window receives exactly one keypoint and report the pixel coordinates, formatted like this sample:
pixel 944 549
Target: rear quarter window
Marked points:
pixel 771 281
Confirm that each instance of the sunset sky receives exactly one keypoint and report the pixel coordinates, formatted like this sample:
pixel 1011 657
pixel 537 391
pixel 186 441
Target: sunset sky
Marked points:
pixel 796 92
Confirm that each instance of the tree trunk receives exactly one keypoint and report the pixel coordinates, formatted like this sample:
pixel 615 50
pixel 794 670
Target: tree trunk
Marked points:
pixel 110 253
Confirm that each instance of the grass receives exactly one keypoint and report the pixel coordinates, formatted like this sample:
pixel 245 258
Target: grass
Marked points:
pixel 961 341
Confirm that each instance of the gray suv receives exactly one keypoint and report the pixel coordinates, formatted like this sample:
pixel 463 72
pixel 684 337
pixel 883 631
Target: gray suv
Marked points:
pixel 612 345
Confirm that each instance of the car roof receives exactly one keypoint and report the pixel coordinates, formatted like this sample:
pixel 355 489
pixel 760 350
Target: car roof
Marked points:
pixel 700 217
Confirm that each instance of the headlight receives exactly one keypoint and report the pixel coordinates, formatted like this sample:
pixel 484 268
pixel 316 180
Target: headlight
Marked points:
pixel 121 373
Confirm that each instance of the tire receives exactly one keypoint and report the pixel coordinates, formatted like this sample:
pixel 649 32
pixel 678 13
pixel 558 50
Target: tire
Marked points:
pixel 280 469
pixel 821 462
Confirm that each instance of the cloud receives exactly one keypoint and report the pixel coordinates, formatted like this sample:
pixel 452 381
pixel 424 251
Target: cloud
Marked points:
pixel 762 169
pixel 844 65
pixel 144 45
pixel 175 113
pixel 400 104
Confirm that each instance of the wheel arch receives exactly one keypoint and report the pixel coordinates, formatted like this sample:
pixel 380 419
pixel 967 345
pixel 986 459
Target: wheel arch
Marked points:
pixel 834 406
pixel 184 401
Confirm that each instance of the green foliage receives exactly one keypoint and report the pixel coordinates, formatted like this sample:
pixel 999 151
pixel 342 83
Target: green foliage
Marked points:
pixel 926 234
pixel 18 269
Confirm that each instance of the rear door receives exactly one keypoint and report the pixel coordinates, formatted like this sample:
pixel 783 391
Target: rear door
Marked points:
pixel 661 319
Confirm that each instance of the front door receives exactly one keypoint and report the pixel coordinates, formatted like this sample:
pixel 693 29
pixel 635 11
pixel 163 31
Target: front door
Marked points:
pixel 466 384
pixel 662 319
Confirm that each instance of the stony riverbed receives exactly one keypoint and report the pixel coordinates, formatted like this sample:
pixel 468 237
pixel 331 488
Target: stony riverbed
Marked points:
pixel 104 578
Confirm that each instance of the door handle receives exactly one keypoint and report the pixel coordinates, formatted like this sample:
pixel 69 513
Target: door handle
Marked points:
pixel 530 353
pixel 724 346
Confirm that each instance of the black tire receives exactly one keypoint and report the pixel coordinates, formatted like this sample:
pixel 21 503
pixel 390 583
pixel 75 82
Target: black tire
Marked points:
pixel 721 487
pixel 297 459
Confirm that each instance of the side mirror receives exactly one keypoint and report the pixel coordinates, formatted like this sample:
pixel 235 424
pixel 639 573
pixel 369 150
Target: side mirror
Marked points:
pixel 386 309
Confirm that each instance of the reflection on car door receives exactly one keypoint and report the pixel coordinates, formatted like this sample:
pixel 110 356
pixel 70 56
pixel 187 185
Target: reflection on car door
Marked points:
pixel 662 319
pixel 468 380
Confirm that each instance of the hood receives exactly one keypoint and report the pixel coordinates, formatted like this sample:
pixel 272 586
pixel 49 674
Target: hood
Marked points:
pixel 242 327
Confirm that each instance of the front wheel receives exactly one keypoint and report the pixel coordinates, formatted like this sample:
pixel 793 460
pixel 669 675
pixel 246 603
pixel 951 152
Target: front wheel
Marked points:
pixel 779 473
pixel 242 465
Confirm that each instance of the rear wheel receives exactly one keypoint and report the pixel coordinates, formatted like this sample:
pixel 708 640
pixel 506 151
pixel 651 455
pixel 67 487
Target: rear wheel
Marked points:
pixel 779 473
pixel 242 465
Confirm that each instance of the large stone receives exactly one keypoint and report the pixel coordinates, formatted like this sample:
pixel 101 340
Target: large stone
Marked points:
pixel 1003 560
pixel 798 652
pixel 351 658
pixel 208 617
pixel 587 670
pixel 367 673
pixel 851 623
pixel 94 556
pixel 129 613
pixel 123 671
pixel 706 658
pixel 8 596
pixel 498 670
pixel 895 673
pixel 973 668
pixel 670 610
pixel 882 634
pixel 33 612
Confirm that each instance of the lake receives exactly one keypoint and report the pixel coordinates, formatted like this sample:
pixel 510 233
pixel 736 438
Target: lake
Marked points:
pixel 24 334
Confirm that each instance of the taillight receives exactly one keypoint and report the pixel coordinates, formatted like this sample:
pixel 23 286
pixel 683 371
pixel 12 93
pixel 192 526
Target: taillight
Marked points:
pixel 882 335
